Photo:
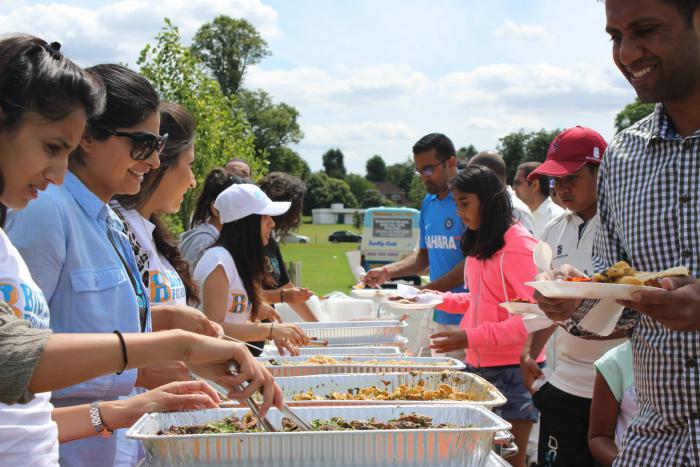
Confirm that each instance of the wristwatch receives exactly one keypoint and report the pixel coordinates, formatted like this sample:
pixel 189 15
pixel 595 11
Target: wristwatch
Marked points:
pixel 97 422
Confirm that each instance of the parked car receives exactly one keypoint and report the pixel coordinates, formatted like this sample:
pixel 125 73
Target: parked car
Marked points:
pixel 344 236
pixel 292 237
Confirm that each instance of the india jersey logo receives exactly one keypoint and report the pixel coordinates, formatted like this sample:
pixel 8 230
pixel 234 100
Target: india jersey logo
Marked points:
pixel 449 223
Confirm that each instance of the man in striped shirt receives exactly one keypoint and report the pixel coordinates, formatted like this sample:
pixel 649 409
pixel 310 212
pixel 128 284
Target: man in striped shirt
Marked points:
pixel 649 209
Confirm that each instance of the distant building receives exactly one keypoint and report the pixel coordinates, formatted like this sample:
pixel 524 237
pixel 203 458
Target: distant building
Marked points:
pixel 336 214
pixel 391 192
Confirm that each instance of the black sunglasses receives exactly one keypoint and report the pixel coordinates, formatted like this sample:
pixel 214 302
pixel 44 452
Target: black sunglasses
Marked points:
pixel 143 143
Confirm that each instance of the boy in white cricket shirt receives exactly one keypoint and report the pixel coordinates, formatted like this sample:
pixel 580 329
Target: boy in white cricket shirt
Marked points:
pixel 564 401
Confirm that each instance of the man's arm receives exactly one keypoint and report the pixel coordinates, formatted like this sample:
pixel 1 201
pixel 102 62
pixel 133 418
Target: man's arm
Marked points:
pixel 450 280
pixel 414 263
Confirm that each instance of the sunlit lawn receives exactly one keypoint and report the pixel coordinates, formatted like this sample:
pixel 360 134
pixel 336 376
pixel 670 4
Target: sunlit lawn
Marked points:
pixel 324 264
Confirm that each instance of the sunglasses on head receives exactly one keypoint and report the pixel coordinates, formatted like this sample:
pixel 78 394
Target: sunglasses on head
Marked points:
pixel 143 143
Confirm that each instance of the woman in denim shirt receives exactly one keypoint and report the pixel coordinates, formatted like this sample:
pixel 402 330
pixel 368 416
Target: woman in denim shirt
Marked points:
pixel 74 245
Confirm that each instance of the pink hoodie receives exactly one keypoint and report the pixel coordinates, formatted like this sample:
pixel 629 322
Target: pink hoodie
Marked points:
pixel 494 336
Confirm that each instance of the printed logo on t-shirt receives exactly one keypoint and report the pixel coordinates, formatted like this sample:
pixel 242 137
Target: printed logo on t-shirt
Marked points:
pixel 26 302
pixel 449 223
pixel 240 303
pixel 165 286
pixel 440 242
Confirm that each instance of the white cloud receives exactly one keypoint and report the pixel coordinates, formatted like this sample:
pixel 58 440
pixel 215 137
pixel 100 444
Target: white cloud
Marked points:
pixel 580 87
pixel 119 30
pixel 372 84
pixel 356 134
pixel 512 30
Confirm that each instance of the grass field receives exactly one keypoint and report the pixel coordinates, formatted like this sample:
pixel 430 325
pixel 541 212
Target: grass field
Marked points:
pixel 324 265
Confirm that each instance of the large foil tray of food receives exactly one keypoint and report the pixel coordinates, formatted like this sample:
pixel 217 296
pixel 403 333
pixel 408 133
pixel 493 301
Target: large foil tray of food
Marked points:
pixel 338 351
pixel 355 332
pixel 326 364
pixel 467 442
pixel 447 387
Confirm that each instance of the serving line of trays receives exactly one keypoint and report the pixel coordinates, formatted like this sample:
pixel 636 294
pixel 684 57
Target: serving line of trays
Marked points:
pixel 338 333
pixel 300 366
pixel 480 391
pixel 337 351
pixel 468 445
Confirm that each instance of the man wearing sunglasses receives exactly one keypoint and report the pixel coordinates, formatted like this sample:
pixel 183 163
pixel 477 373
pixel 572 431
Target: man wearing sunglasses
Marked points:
pixel 440 233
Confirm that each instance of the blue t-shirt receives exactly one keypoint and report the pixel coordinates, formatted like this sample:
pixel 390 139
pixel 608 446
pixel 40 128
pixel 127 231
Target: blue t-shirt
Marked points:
pixel 441 230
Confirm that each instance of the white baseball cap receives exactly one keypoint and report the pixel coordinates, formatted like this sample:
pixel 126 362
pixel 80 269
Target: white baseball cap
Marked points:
pixel 239 201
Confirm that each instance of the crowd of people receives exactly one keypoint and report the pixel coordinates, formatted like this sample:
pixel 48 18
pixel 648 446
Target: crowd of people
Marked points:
pixel 105 314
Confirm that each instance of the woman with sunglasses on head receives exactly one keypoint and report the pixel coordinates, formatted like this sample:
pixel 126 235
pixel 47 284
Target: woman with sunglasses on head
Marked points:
pixel 44 102
pixel 78 254
pixel 231 273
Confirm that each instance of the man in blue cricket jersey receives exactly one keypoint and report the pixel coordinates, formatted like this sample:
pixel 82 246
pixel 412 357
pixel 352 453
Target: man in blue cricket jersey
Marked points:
pixel 440 233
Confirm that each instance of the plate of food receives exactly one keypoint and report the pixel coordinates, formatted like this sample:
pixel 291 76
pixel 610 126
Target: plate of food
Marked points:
pixel 411 303
pixel 619 282
pixel 523 307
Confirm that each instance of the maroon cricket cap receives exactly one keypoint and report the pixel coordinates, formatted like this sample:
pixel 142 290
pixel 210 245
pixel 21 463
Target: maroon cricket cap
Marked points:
pixel 569 151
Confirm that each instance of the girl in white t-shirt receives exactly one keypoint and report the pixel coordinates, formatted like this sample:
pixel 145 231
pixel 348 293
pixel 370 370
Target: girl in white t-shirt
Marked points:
pixel 231 273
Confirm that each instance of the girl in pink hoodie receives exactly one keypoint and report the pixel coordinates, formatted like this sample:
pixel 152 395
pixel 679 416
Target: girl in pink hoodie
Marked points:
pixel 499 261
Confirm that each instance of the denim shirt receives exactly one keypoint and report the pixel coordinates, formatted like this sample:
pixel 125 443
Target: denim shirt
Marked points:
pixel 62 237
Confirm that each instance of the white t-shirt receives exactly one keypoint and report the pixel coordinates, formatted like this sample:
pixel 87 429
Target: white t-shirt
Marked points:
pixel 165 287
pixel 238 307
pixel 521 212
pixel 573 356
pixel 28 436
pixel 547 211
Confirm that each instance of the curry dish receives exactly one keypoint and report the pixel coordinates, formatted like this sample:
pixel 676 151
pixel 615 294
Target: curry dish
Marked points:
pixel 622 273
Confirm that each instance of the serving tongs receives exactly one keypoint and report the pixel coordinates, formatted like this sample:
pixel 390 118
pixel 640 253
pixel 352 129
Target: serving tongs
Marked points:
pixel 263 421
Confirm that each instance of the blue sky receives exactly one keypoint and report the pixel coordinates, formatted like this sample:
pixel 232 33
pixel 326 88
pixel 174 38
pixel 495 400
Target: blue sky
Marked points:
pixel 374 76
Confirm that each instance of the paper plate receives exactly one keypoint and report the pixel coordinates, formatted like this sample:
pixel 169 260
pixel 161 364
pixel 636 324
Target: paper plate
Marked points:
pixel 565 289
pixel 369 293
pixel 411 306
pixel 526 310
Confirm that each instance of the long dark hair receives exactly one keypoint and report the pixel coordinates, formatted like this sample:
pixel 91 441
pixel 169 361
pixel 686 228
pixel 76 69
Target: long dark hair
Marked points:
pixel 495 210
pixel 280 186
pixel 179 124
pixel 36 77
pixel 243 241
pixel 216 181
pixel 131 99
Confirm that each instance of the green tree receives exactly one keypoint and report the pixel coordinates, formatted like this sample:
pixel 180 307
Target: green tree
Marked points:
pixel 402 174
pixel 365 192
pixel 358 220
pixel 289 161
pixel 274 125
pixel 376 169
pixel 322 191
pixel 416 193
pixel 466 153
pixel 221 134
pixel 512 148
pixel 333 163
pixel 227 46
pixel 632 113
pixel 537 145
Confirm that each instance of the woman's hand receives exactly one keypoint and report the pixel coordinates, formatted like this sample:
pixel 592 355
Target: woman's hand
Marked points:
pixel 172 397
pixel 291 332
pixel 211 358
pixel 184 317
pixel 153 376
pixel 448 341
pixel 295 294
pixel 284 345
pixel 267 311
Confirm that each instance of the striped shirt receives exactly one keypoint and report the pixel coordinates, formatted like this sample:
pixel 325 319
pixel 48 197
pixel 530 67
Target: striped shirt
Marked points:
pixel 649 210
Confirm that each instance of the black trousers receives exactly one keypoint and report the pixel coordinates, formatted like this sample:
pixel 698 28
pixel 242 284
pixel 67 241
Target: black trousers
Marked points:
pixel 564 422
